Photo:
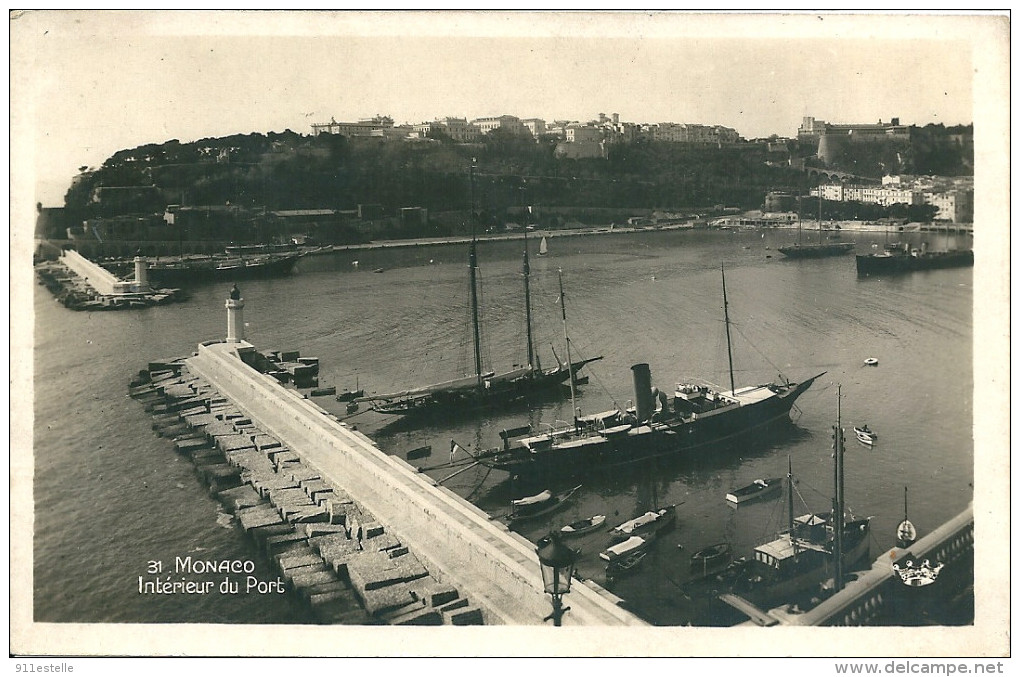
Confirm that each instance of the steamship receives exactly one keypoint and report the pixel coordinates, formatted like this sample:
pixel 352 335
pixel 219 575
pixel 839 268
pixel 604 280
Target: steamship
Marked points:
pixel 697 418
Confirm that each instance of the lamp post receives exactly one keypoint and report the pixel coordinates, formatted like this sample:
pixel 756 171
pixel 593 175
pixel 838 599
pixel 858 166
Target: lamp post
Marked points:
pixel 557 562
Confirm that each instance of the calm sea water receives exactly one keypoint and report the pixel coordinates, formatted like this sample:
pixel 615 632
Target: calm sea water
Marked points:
pixel 110 495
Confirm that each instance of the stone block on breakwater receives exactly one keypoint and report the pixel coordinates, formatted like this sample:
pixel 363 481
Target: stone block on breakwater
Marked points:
pixel 306 578
pixel 304 514
pixel 298 558
pixel 381 542
pixel 258 516
pixel 280 543
pixel 313 529
pixel 249 460
pixel 388 600
pixel 415 616
pixel 436 594
pixel 303 474
pixel 264 442
pixel 187 446
pixel 219 428
pixel 240 497
pixel 290 496
pixel 234 442
pixel 467 616
pixel 372 570
pixel 197 420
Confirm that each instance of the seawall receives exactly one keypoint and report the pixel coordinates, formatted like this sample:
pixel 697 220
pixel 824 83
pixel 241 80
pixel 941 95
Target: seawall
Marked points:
pixel 496 568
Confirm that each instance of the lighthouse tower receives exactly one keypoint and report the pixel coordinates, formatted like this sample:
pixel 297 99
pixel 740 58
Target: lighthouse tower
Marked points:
pixel 141 274
pixel 235 316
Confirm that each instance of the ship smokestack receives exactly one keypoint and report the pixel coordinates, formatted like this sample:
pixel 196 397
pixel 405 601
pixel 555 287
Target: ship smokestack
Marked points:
pixel 643 391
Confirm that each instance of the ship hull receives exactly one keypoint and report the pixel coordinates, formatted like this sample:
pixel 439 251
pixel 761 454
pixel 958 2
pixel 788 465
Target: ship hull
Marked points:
pixel 700 435
pixel 227 270
pixel 496 391
pixel 877 264
pixel 814 251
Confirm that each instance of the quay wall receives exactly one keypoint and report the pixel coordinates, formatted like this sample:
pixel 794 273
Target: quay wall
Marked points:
pixel 497 569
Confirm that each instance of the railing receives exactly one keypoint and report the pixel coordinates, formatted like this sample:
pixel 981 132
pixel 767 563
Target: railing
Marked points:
pixel 862 601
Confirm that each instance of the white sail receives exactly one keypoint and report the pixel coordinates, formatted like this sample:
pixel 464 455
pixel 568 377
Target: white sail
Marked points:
pixel 543 248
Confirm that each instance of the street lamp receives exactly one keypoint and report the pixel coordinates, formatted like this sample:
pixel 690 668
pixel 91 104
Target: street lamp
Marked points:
pixel 557 562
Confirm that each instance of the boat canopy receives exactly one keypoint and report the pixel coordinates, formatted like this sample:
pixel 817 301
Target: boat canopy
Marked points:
pixel 533 500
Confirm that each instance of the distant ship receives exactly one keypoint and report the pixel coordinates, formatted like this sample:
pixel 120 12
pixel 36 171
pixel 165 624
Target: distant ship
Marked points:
pixel 901 258
pixel 818 249
pixel 186 270
pixel 697 418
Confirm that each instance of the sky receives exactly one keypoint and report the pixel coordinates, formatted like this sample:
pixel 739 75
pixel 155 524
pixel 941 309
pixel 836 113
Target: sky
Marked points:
pixel 87 84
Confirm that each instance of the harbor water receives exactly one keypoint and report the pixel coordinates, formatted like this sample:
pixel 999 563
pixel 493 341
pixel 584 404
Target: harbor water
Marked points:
pixel 111 496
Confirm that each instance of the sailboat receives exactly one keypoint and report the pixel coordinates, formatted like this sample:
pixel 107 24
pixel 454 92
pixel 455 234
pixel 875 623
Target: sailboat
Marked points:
pixel 543 247
pixel 818 249
pixel 815 548
pixel 697 419
pixel 483 388
pixel 906 534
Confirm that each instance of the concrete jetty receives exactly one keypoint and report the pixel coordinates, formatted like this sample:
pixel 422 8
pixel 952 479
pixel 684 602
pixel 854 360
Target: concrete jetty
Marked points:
pixel 410 550
pixel 81 284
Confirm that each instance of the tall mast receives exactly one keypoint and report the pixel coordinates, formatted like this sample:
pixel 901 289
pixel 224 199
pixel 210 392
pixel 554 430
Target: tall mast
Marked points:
pixel 789 498
pixel 527 303
pixel 726 315
pixel 570 365
pixel 473 266
pixel 838 501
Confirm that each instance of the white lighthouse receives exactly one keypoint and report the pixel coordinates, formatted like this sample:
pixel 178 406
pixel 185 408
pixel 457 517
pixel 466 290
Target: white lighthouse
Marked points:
pixel 235 316
pixel 141 274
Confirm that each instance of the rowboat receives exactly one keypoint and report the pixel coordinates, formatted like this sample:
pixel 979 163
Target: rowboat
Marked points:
pixel 755 490
pixel 625 565
pixel 712 556
pixel 647 525
pixel 865 435
pixel 583 526
pixel 540 504
pixel 621 551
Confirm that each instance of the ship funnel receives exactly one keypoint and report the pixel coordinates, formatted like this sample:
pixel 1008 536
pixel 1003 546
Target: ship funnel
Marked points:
pixel 643 391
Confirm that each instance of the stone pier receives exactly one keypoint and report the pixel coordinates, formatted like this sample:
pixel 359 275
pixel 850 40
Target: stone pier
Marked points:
pixel 459 545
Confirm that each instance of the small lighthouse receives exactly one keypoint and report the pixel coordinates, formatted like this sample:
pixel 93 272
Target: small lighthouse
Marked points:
pixel 235 316
pixel 141 274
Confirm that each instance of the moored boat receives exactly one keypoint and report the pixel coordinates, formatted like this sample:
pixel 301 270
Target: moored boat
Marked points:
pixel 187 270
pixel 904 259
pixel 542 503
pixel 759 488
pixel 583 526
pixel 647 525
pixel 712 556
pixel 697 419
pixel 620 551
pixel 628 564
pixel 815 548
pixel 485 388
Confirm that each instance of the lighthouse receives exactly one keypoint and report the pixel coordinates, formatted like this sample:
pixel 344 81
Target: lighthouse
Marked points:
pixel 235 316
pixel 141 274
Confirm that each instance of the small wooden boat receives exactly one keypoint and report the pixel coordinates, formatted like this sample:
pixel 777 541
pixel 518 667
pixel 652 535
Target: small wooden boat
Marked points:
pixel 865 431
pixel 646 525
pixel 350 395
pixel 420 452
pixel 626 565
pixel 320 392
pixel 865 436
pixel 540 504
pixel 583 526
pixel 755 490
pixel 620 551
pixel 712 556
pixel 871 362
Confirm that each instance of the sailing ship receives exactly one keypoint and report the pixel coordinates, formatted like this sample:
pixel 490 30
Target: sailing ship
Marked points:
pixel 901 258
pixel 906 533
pixel 815 548
pixel 543 247
pixel 818 249
pixel 696 419
pixel 483 388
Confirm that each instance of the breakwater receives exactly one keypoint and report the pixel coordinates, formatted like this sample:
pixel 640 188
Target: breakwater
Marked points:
pixel 81 284
pixel 326 549
pixel 406 549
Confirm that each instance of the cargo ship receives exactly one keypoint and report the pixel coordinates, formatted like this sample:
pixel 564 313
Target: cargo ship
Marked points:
pixel 901 258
